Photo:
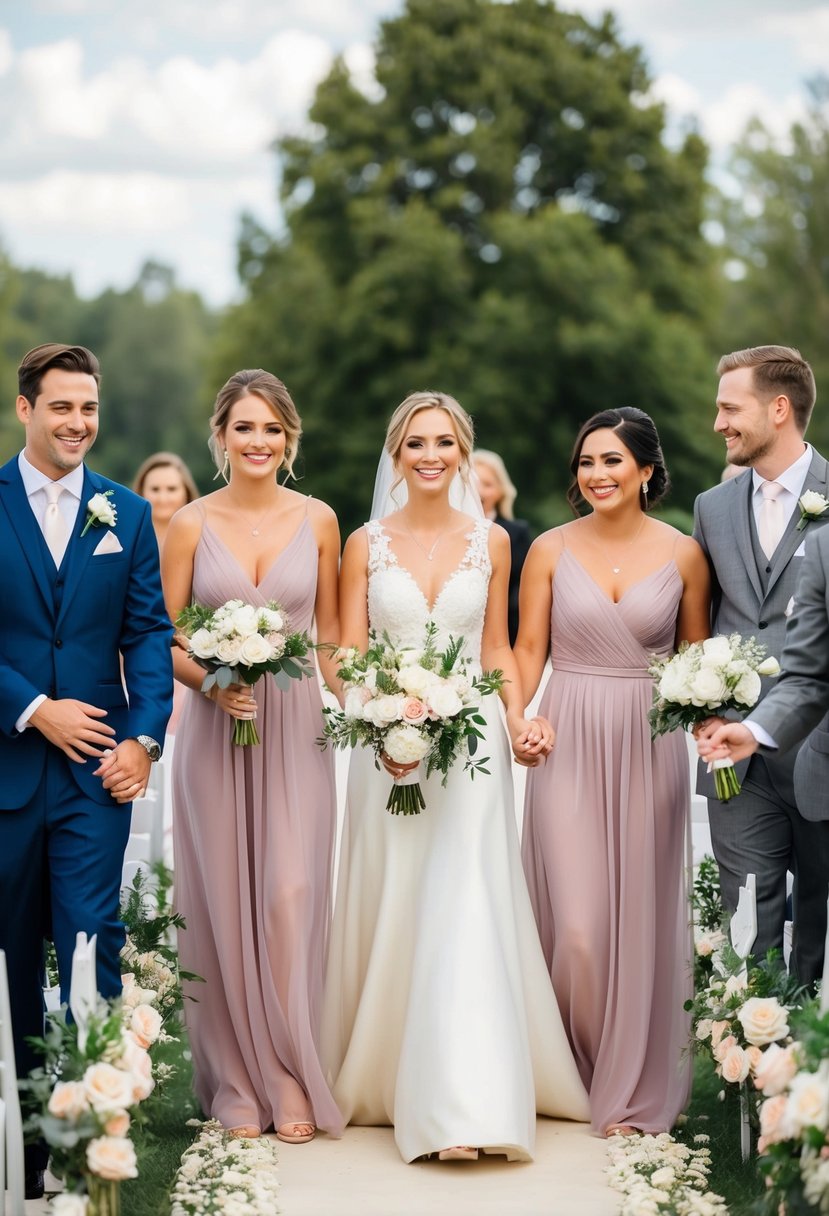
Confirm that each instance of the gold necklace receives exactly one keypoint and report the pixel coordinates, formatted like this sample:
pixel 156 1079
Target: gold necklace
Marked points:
pixel 617 568
pixel 429 553
pixel 254 531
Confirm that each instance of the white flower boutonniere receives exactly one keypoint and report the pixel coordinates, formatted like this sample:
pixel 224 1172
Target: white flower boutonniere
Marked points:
pixel 812 506
pixel 99 510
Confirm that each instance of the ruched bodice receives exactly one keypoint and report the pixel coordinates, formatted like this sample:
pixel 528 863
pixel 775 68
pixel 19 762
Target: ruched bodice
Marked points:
pixel 398 607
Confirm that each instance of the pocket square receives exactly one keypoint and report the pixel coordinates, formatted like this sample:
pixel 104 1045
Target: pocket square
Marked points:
pixel 800 551
pixel 108 544
pixel 789 607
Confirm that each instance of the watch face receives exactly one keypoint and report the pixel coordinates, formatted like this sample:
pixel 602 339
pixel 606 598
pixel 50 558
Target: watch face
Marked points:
pixel 152 749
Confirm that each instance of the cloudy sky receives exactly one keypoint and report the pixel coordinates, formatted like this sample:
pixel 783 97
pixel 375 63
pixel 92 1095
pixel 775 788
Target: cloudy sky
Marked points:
pixel 141 128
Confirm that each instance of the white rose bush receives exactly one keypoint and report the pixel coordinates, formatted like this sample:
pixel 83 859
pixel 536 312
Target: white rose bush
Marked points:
pixel 706 678
pixel 238 643
pixel 414 705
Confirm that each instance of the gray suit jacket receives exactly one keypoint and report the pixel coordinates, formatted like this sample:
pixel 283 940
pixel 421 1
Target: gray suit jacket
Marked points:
pixel 800 697
pixel 722 525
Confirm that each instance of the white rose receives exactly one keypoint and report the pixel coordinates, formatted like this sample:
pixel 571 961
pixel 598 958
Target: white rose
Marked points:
pixel 355 701
pixel 808 1104
pixel 276 641
pixel 769 667
pixel 273 620
pixel 703 1030
pixel 112 1157
pixel 813 503
pixel 764 1020
pixel 370 681
pixel 145 1024
pixel 708 688
pixel 228 651
pixel 383 710
pixel 775 1121
pixel 406 744
pixel 706 942
pixel 717 649
pixel 674 681
pixel 100 508
pixel 416 680
pixel 107 1088
pixel 776 1069
pixel 735 984
pixel 255 649
pixel 461 685
pixel 735 1065
pixel 67 1203
pixel 409 656
pixel 748 689
pixel 68 1100
pixel 203 644
pixel 443 701
pixel 245 619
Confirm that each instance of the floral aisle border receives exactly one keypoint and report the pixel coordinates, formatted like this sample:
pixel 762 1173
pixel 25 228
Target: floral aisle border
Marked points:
pixel 657 1174
pixel 218 1173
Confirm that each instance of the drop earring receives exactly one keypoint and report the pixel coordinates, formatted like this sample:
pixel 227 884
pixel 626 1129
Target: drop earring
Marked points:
pixel 224 471
pixel 645 485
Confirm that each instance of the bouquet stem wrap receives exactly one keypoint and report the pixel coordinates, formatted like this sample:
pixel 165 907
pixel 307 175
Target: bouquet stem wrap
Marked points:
pixel 726 781
pixel 406 796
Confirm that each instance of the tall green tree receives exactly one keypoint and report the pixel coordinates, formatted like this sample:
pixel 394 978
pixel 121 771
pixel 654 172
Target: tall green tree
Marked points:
pixel 498 217
pixel 777 226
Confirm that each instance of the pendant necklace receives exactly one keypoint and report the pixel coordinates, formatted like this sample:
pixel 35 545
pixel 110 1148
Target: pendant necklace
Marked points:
pixel 429 553
pixel 617 568
pixel 257 526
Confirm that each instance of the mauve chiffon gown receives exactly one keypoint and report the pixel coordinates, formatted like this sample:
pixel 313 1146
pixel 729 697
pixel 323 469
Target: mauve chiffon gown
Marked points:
pixel 254 834
pixel 606 849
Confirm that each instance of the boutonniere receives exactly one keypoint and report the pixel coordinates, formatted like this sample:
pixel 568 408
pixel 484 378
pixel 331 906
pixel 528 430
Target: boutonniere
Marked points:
pixel 812 506
pixel 99 510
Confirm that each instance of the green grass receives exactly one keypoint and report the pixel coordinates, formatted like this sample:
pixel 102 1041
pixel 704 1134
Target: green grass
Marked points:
pixel 160 1142
pixel 739 1184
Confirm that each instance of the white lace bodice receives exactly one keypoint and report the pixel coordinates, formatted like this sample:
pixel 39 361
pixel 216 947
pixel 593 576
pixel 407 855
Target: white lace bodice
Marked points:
pixel 398 607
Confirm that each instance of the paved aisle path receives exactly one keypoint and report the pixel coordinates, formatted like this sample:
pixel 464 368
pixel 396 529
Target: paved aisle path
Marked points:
pixel 363 1175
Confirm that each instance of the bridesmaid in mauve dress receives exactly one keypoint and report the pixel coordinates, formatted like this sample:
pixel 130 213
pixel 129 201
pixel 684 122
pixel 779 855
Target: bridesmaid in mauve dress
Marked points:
pixel 254 826
pixel 606 822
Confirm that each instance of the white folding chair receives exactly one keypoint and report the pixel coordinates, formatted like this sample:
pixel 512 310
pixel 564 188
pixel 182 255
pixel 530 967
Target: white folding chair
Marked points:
pixel 148 820
pixel 139 848
pixel 11 1126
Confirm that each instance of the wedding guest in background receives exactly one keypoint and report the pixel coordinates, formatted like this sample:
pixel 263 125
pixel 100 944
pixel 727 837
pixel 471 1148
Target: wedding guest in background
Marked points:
pixel 439 1014
pixel 254 825
pixel 497 498
pixel 80 592
pixel 748 527
pixel 606 819
pixel 167 484
pixel 798 700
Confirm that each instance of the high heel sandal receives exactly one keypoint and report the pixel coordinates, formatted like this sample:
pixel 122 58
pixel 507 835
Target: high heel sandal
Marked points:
pixel 621 1129
pixel 458 1152
pixel 297 1137
pixel 245 1131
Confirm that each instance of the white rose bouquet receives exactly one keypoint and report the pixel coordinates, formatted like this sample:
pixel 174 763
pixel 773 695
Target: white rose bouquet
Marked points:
pixel 414 705
pixel 239 643
pixel 705 678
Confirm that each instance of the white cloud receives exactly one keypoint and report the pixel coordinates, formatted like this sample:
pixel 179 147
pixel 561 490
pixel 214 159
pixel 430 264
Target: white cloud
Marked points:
pixel 96 202
pixel 808 31
pixel 723 119
pixel 6 52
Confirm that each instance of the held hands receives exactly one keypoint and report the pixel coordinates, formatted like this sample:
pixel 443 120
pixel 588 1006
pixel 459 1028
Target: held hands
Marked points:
pixel 125 771
pixel 394 768
pixel 726 741
pixel 74 727
pixel 532 740
pixel 237 700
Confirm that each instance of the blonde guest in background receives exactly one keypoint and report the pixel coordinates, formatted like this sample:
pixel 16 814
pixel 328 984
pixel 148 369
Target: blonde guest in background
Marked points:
pixel 498 496
pixel 167 484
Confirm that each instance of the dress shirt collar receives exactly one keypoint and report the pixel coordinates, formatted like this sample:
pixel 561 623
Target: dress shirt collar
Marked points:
pixel 34 480
pixel 792 478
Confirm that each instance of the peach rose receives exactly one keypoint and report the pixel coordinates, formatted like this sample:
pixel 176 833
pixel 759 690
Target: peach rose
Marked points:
pixel 776 1069
pixel 107 1088
pixel 414 711
pixel 112 1157
pixel 68 1100
pixel 117 1124
pixel 735 1065
pixel 809 1101
pixel 718 1029
pixel 764 1020
pixel 774 1122
pixel 145 1024
pixel 755 1056
pixel 723 1047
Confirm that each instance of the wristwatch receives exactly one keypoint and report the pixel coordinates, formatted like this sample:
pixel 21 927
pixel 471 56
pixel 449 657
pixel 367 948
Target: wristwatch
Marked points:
pixel 150 746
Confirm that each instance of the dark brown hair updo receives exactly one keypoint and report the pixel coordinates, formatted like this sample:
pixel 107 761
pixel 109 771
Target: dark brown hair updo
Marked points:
pixel 637 432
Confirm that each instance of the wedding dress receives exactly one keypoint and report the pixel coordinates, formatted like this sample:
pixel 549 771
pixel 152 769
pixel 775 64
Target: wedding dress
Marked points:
pixel 439 1016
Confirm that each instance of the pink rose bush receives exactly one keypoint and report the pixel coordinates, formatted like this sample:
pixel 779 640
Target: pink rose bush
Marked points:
pixel 412 705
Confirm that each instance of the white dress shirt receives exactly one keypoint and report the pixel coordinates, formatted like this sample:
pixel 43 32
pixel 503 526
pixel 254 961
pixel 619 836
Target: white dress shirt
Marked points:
pixel 34 483
pixel 792 480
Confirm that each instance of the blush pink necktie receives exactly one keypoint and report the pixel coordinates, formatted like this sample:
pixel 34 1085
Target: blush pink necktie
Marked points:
pixel 770 521
pixel 55 532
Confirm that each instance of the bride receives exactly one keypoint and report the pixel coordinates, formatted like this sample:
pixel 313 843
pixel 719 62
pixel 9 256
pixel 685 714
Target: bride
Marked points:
pixel 439 1016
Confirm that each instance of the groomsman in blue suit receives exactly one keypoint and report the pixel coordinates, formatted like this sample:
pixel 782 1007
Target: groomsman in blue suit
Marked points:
pixel 80 593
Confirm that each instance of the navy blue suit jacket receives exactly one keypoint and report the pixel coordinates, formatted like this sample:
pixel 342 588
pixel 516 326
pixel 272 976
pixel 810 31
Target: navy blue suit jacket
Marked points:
pixel 64 633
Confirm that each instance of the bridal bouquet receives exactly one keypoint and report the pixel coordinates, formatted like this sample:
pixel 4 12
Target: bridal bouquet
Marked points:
pixel 239 643
pixel 705 678
pixel 415 705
